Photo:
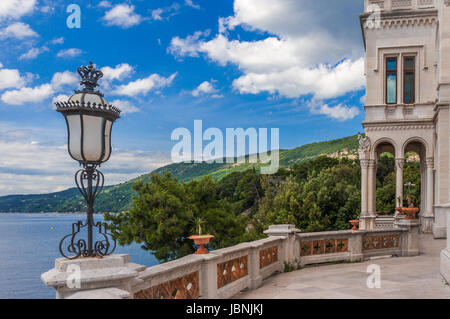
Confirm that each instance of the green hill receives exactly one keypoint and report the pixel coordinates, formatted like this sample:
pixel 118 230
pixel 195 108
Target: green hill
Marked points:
pixel 119 197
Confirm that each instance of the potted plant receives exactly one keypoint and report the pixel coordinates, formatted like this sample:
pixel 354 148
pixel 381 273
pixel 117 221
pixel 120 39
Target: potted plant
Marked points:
pixel 200 239
pixel 355 224
pixel 410 211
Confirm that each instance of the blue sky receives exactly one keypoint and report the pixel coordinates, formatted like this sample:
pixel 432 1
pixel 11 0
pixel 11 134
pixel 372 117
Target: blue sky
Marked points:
pixel 296 65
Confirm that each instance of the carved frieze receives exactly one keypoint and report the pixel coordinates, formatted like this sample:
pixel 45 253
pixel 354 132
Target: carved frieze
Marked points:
pixel 186 287
pixel 268 256
pixel 320 247
pixel 381 242
pixel 231 270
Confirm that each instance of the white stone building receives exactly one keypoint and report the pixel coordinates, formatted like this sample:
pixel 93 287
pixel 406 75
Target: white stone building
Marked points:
pixel 407 102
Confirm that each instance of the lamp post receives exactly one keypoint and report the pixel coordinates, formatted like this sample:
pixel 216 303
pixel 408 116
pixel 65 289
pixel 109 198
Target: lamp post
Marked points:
pixel 89 118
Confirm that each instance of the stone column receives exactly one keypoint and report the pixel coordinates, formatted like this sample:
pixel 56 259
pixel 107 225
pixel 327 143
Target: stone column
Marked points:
pixel 364 194
pixel 427 217
pixel 371 188
pixel 445 253
pixel 399 165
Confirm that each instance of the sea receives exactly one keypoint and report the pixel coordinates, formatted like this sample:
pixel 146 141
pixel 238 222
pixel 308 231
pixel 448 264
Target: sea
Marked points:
pixel 29 245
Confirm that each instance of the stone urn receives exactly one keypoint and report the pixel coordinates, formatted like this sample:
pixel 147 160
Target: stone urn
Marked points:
pixel 201 240
pixel 411 212
pixel 400 211
pixel 355 224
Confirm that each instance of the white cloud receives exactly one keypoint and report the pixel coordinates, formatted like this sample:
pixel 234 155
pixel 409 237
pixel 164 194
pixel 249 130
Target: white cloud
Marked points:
pixel 51 167
pixel 1 65
pixel 166 12
pixel 14 9
pixel 11 78
pixel 190 46
pixel 143 86
pixel 206 88
pixel 33 53
pixel 39 93
pixel 104 4
pixel 27 95
pixel 323 81
pixel 119 72
pixel 125 106
pixel 122 15
pixel 311 48
pixel 17 30
pixel 156 14
pixel 69 53
pixel 59 40
pixel 61 79
pixel 338 112
pixel 190 3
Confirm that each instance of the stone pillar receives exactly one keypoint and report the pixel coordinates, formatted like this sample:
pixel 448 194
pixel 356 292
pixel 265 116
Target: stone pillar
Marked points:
pixel 364 224
pixel 399 165
pixel 427 218
pixel 109 277
pixel 371 188
pixel 445 253
pixel 410 238
pixel 291 251
pixel 208 277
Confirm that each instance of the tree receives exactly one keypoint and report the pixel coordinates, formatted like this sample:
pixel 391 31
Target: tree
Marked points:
pixel 162 215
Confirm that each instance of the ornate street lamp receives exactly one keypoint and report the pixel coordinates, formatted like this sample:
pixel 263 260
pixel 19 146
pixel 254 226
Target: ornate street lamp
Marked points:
pixel 89 118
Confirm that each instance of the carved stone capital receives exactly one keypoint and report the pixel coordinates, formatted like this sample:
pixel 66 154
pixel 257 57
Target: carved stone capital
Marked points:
pixel 399 163
pixel 430 162
pixel 372 164
pixel 365 163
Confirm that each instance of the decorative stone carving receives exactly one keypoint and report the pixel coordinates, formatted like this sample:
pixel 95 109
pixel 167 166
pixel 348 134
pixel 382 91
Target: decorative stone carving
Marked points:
pixel 231 270
pixel 186 287
pixel 320 247
pixel 400 163
pixel 399 127
pixel 364 163
pixel 268 256
pixel 381 242
pixel 364 143
pixel 430 162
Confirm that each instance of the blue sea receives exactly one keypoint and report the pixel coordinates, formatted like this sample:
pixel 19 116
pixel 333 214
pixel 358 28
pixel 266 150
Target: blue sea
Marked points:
pixel 29 246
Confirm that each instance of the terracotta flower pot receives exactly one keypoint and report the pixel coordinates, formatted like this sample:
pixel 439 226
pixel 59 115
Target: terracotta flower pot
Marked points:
pixel 400 210
pixel 201 240
pixel 355 224
pixel 411 212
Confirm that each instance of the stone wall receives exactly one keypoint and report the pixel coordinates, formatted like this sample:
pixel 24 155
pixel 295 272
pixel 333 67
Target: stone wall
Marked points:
pixel 225 272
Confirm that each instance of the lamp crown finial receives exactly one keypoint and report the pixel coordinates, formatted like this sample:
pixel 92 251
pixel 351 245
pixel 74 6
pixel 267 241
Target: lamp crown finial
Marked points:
pixel 89 76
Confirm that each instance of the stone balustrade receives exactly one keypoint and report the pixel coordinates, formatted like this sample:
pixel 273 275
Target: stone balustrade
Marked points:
pixel 223 273
pixel 393 5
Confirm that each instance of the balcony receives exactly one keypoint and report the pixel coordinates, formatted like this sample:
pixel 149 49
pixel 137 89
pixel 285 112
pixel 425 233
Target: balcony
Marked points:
pixel 394 5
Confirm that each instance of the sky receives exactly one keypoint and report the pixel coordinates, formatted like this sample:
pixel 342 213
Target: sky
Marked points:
pixel 296 65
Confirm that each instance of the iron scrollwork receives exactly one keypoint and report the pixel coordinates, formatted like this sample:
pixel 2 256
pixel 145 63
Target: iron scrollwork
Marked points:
pixel 90 183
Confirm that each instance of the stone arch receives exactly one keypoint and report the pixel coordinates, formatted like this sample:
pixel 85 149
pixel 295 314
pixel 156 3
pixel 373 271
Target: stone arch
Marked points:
pixel 387 145
pixel 420 140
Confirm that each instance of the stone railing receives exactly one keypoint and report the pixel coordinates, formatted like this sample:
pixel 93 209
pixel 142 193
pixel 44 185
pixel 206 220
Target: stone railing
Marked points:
pixel 225 272
pixel 392 5
pixel 385 222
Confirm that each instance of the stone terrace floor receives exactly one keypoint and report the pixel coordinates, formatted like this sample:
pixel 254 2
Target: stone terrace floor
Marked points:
pixel 401 277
